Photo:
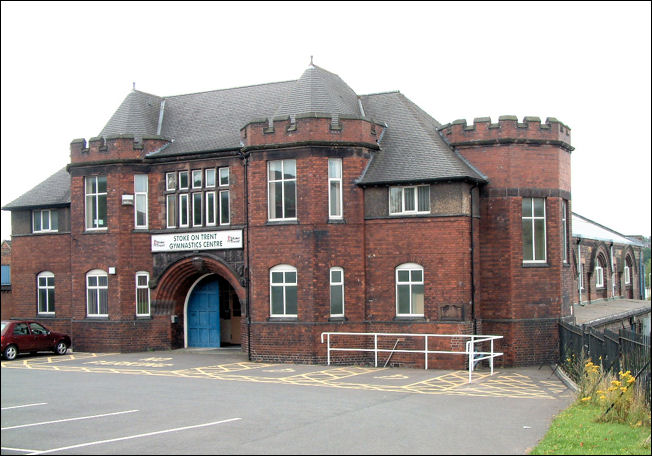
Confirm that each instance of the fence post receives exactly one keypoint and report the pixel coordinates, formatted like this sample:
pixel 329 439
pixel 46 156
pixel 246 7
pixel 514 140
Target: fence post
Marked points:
pixel 328 345
pixel 426 352
pixel 375 350
pixel 469 350
pixel 491 360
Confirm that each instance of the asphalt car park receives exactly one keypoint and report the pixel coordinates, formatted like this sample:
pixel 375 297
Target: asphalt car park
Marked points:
pixel 216 401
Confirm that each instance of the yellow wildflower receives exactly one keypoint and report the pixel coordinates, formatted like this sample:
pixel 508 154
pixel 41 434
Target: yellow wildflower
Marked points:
pixel 588 398
pixel 631 380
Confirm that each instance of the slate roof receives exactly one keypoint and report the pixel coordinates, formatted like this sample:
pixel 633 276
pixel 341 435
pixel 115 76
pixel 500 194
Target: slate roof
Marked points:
pixel 318 90
pixel 411 149
pixel 53 191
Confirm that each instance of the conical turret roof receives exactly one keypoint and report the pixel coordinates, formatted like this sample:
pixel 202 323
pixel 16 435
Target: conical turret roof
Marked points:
pixel 318 90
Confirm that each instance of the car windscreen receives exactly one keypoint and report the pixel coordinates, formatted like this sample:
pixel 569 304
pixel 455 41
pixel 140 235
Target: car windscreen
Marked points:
pixel 4 325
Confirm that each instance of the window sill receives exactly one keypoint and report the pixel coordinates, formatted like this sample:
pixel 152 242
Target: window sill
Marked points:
pixel 282 222
pixel 410 318
pixel 536 265
pixel 334 319
pixel 282 319
pixel 97 318
pixel 337 221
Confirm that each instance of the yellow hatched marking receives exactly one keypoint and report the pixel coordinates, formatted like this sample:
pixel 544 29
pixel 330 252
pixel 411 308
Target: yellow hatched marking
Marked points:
pixel 454 383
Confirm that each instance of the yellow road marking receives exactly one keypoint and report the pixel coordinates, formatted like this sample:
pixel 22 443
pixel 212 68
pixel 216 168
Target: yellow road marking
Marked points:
pixel 512 385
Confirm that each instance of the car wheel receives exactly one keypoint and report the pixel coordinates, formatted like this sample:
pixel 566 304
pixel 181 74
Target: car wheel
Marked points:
pixel 11 352
pixel 61 348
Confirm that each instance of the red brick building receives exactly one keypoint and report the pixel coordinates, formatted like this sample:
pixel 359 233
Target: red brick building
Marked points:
pixel 262 216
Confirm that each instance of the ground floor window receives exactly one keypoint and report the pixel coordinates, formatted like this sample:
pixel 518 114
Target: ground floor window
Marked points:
pixel 97 293
pixel 45 284
pixel 337 292
pixel 409 290
pixel 283 291
pixel 142 293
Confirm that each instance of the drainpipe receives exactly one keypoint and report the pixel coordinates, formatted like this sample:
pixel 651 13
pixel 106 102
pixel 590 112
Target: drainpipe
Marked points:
pixel 579 270
pixel 613 272
pixel 245 163
pixel 475 322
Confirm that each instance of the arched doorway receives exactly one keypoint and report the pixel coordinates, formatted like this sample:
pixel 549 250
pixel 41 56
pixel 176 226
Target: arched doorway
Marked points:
pixel 212 313
pixel 210 286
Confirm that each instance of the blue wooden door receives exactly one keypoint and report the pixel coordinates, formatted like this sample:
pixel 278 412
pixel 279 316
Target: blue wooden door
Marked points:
pixel 204 315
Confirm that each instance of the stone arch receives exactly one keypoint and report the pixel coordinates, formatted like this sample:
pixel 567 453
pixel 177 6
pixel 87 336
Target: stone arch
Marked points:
pixel 628 252
pixel 600 249
pixel 182 273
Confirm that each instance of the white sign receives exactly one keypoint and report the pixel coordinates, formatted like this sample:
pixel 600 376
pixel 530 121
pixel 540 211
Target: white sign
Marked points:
pixel 205 240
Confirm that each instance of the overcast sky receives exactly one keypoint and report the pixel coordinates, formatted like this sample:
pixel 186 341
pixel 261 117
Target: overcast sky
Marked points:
pixel 66 67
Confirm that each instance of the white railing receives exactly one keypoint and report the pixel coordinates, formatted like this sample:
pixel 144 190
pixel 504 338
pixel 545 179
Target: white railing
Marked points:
pixel 470 349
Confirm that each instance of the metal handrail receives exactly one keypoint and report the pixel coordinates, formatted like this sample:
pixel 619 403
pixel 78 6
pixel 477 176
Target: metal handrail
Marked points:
pixel 474 356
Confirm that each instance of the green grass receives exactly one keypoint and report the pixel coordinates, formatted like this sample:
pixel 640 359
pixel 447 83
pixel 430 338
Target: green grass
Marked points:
pixel 574 431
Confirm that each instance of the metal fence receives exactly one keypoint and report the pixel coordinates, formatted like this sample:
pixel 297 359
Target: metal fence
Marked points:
pixel 625 351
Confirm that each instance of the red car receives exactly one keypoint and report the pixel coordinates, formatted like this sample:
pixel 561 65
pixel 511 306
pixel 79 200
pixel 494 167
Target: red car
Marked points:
pixel 30 336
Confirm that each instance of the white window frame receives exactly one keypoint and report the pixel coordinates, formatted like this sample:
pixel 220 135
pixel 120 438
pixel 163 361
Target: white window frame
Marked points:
pixel 136 204
pixel 283 268
pixel 49 306
pixel 97 289
pixel 403 211
pixel 628 277
pixel 171 197
pixel 338 181
pixel 183 196
pixel 40 213
pixel 196 173
pixel 409 267
pixel 143 287
pixel 94 199
pixel 283 180
pixel 197 210
pixel 532 219
pixel 184 173
pixel 336 284
pixel 224 176
pixel 599 275
pixel 170 177
pixel 211 221
pixel 228 221
pixel 207 181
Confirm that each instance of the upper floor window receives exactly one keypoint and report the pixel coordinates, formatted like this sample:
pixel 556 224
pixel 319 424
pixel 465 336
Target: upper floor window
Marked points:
pixel 45 220
pixel 409 290
pixel 409 200
pixel 335 188
pixel 97 293
pixel 96 202
pixel 171 181
pixel 210 177
pixel 534 230
pixel 628 277
pixel 45 288
pixel 224 177
pixel 198 204
pixel 337 292
pixel 140 197
pixel 283 291
pixel 142 293
pixel 183 180
pixel 282 184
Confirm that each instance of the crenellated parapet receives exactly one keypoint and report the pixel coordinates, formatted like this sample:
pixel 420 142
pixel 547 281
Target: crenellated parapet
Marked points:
pixel 310 128
pixel 507 130
pixel 114 148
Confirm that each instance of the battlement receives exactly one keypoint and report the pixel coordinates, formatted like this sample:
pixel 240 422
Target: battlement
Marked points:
pixel 114 148
pixel 310 127
pixel 507 130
